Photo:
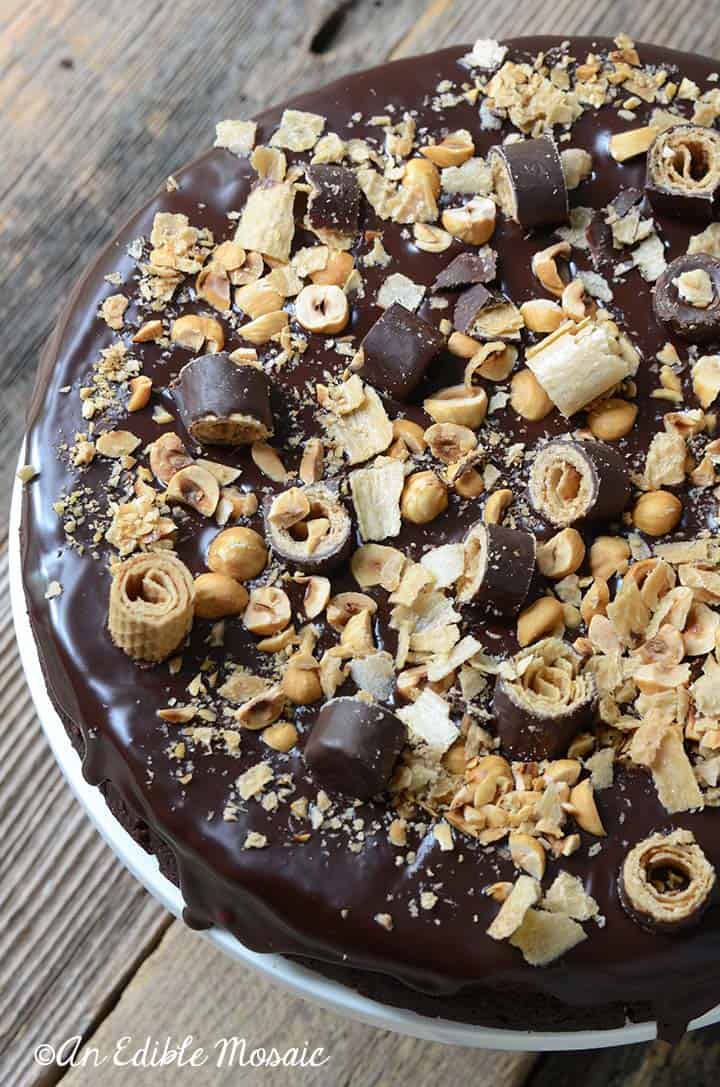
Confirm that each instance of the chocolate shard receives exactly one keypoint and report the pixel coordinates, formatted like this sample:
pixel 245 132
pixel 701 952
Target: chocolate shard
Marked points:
pixel 499 565
pixel 334 200
pixel 221 403
pixel 487 315
pixel 599 237
pixel 542 700
pixel 353 746
pixel 683 172
pixel 627 199
pixel 571 481
pixel 530 182
pixel 467 269
pixel 687 297
pixel 309 527
pixel 397 351
pixel 470 305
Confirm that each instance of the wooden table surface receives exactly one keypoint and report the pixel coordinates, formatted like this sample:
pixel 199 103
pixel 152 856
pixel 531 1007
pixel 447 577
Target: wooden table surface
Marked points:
pixel 99 102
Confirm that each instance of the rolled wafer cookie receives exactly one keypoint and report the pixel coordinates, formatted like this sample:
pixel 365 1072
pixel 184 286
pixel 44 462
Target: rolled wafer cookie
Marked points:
pixel 683 172
pixel 499 565
pixel 666 882
pixel 571 481
pixel 530 182
pixel 152 600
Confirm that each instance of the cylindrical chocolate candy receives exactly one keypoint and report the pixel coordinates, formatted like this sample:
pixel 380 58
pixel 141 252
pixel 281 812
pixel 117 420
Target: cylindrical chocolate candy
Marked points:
pixel 353 746
pixel 397 351
pixel 499 565
pixel 309 527
pixel 666 882
pixel 571 481
pixel 542 704
pixel 683 172
pixel 530 183
pixel 221 403
pixel 687 297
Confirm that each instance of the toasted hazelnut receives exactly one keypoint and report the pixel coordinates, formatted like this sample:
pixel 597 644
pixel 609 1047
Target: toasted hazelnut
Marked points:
pixel 412 682
pixel 527 853
pixel 424 498
pixel 542 315
pixel 572 300
pixel 140 390
pixel 431 239
pixel 562 554
pixel 584 808
pixel 612 419
pixel 474 223
pixel 151 330
pixel 239 552
pixel 311 464
pixel 194 486
pixel 258 298
pixel 167 456
pixel 496 505
pixel 453 150
pixel 544 267
pixel 657 512
pixel 468 483
pixel 213 286
pixel 528 398
pixel 321 308
pixel 195 332
pixel 566 771
pixel 595 601
pixel 218 595
pixel 458 404
pixel 422 173
pixel 411 434
pixel 268 461
pixel 344 606
pixel 268 610
pixel 263 709
pixel 542 618
pixel 493 361
pixel 357 635
pixel 317 594
pixel 609 555
pixel 337 271
pixel 462 346
pixel 289 508
pixel 449 441
pixel 262 329
pixel 301 681
pixel 282 736
pixel 454 760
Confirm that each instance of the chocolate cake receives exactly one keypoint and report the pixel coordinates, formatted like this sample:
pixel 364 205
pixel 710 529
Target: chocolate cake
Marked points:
pixel 370 532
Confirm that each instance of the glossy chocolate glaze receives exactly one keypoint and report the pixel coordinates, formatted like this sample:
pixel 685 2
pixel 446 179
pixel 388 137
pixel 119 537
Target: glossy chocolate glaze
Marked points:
pixel 288 897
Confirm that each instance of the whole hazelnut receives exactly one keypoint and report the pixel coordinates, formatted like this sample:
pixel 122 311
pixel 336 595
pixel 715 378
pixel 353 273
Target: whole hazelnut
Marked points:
pixel 657 512
pixel 424 498
pixel 218 595
pixel 239 552
pixel 301 682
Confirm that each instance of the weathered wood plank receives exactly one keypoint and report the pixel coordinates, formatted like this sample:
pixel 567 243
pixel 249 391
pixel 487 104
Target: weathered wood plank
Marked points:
pixel 188 987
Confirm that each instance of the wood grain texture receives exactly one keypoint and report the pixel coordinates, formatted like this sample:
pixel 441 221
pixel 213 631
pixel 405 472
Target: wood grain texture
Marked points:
pixel 187 987
pixel 99 102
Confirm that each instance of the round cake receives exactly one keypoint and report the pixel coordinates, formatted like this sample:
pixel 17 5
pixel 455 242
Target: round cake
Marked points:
pixel 369 532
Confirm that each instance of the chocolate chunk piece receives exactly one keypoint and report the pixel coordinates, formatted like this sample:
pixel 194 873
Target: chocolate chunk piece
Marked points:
pixel 466 269
pixel 499 565
pixel 687 297
pixel 530 182
pixel 570 481
pixel 542 700
pixel 683 172
pixel 397 351
pixel 469 306
pixel 221 403
pixel 334 200
pixel 666 882
pixel 599 237
pixel 353 746
pixel 309 527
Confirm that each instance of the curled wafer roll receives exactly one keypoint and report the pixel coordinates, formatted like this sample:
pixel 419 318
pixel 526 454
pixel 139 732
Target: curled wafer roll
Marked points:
pixel 309 527
pixel 354 745
pixel 542 700
pixel 499 565
pixel 152 599
pixel 666 882
pixel 221 403
pixel 683 172
pixel 687 297
pixel 570 481
pixel 579 362
pixel 530 182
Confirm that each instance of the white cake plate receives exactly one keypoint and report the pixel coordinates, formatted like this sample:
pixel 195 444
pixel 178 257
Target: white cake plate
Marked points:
pixel 298 979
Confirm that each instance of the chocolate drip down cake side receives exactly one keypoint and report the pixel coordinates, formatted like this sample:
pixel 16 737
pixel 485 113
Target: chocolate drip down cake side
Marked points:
pixel 370 532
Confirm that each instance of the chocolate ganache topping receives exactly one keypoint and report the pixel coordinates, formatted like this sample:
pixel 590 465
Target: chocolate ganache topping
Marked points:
pixel 413 673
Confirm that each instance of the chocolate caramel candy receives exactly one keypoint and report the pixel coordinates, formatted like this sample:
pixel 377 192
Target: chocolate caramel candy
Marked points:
pixel 334 200
pixel 687 297
pixel 571 481
pixel 221 403
pixel 397 351
pixel 467 269
pixel 353 746
pixel 683 172
pixel 309 527
pixel 530 182
pixel 666 882
pixel 499 565
pixel 542 700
